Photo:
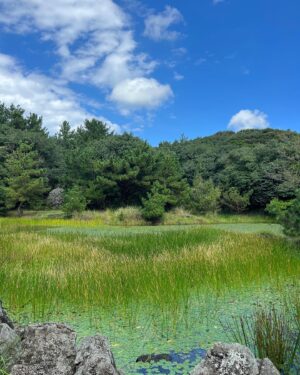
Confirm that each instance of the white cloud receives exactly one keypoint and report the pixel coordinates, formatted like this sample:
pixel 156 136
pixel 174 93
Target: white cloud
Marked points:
pixel 92 38
pixel 140 93
pixel 247 119
pixel 157 25
pixel 63 21
pixel 122 64
pixel 39 94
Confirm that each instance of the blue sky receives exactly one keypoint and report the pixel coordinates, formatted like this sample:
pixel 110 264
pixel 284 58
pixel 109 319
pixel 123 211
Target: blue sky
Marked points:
pixel 156 68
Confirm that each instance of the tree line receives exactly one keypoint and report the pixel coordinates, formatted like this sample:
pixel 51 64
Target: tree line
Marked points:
pixel 97 169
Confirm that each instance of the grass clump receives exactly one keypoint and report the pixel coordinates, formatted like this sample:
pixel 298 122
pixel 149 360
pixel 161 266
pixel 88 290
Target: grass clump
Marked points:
pixel 127 216
pixel 271 332
pixel 3 369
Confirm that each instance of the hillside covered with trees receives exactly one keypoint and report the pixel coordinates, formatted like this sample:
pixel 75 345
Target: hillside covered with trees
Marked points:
pixel 228 171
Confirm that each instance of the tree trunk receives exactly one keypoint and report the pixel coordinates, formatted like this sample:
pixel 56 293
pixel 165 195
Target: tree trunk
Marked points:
pixel 20 209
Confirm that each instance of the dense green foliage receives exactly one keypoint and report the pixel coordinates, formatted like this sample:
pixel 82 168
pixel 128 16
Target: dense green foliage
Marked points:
pixel 25 182
pixel 234 201
pixel 74 201
pixel 262 163
pixel 154 206
pixel 204 196
pixel 231 171
pixel 291 218
pixel 277 208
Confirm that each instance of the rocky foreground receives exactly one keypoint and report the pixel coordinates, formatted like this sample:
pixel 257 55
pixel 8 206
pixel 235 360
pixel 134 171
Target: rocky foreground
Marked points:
pixel 51 349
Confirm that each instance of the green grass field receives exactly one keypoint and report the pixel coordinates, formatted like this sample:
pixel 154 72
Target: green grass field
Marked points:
pixel 149 289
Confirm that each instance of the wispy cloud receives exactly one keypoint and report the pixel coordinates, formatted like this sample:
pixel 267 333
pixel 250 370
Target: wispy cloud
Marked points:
pixel 178 77
pixel 216 2
pixel 200 61
pixel 157 26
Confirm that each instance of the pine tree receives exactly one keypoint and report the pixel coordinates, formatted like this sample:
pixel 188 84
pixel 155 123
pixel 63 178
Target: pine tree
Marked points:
pixel 26 181
pixel 204 196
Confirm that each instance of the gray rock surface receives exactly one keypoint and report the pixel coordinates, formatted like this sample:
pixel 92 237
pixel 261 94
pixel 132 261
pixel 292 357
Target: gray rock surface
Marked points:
pixel 46 349
pixel 95 358
pixel 4 317
pixel 266 367
pixel 228 359
pixel 9 345
pixel 233 359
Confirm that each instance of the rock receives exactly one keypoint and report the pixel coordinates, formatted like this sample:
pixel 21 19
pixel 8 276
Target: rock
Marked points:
pixel 4 317
pixel 266 367
pixel 46 349
pixel 225 359
pixel 94 357
pixel 154 358
pixel 56 197
pixel 9 345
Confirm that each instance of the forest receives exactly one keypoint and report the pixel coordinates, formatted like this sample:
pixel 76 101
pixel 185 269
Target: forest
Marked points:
pixel 96 169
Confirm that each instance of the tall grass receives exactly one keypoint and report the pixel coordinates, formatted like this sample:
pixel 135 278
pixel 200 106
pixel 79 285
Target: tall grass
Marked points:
pixel 42 269
pixel 271 332
pixel 131 216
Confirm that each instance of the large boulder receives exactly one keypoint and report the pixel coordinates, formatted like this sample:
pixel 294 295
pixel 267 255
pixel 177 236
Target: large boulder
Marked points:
pixel 56 198
pixel 9 345
pixel 46 349
pixel 233 359
pixel 4 317
pixel 94 357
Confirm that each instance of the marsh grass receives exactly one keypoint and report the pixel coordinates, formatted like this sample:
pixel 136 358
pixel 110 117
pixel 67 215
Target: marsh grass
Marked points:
pixel 271 332
pixel 131 216
pixel 78 265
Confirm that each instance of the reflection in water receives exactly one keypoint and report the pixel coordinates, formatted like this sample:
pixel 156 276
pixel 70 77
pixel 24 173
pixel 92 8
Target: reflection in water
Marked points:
pixel 192 357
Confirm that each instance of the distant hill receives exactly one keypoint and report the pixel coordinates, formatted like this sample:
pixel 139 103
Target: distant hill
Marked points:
pixel 265 162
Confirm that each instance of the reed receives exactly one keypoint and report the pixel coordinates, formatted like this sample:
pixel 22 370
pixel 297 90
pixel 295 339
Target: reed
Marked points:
pixel 271 332
pixel 101 267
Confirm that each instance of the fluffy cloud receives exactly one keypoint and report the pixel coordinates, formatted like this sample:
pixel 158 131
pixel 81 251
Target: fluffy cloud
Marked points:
pixel 140 93
pixel 247 119
pixel 157 26
pixel 39 94
pixel 92 38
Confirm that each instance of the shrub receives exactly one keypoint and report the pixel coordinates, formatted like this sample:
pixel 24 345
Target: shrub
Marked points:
pixel 74 201
pixel 154 206
pixel 270 333
pixel 277 208
pixel 204 196
pixel 129 216
pixel 290 219
pixel 56 198
pixel 234 201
